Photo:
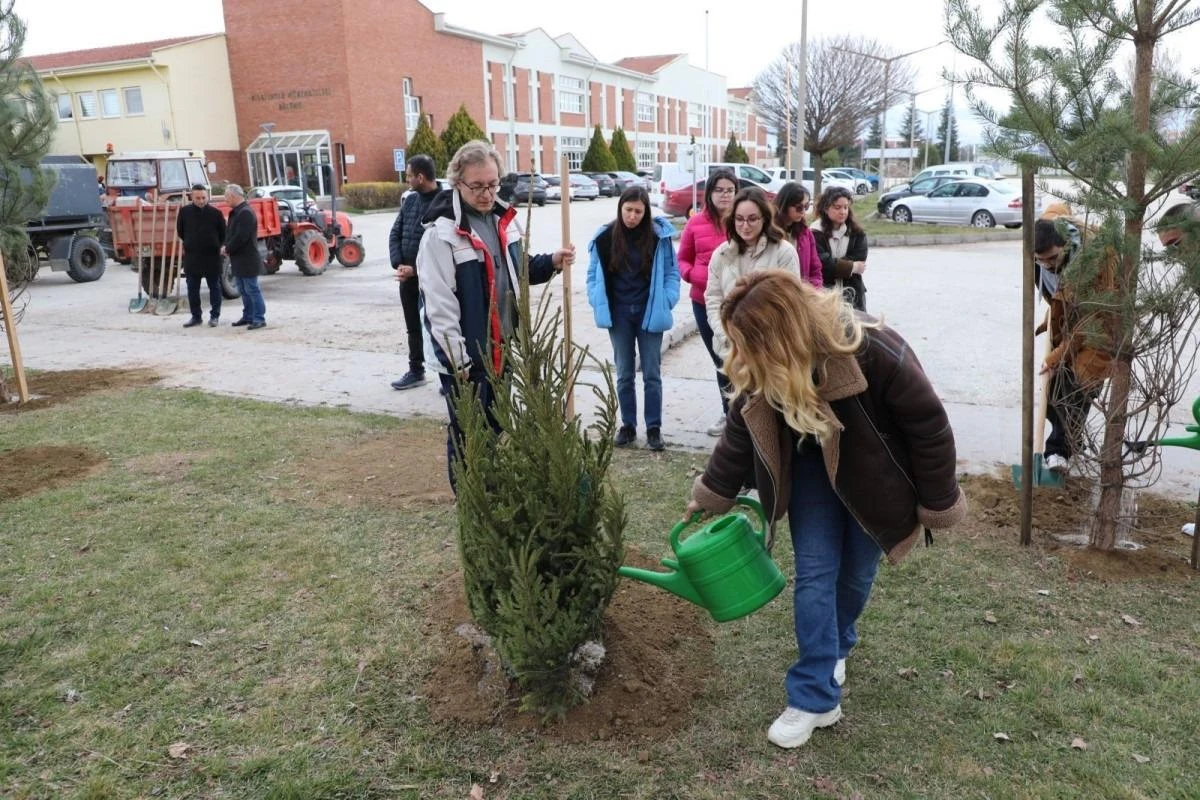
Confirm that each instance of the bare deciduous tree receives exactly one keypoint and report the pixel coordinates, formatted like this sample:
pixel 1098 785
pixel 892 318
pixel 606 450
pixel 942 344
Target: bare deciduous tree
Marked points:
pixel 845 90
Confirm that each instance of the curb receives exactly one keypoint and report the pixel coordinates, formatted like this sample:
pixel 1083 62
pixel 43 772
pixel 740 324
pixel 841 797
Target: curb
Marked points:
pixel 926 239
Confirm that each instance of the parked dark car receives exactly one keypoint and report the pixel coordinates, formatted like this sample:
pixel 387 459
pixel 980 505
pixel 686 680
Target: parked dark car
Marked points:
pixel 624 180
pixel 608 187
pixel 922 186
pixel 515 186
pixel 678 202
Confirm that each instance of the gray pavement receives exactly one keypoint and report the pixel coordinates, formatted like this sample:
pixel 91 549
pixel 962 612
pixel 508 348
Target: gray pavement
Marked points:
pixel 338 339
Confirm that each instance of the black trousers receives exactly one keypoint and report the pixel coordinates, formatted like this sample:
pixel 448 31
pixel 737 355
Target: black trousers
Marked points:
pixel 1067 413
pixel 410 301
pixel 213 277
pixel 454 433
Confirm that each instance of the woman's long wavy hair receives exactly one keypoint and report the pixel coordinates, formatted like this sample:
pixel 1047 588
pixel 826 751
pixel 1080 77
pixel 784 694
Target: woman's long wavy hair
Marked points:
pixel 709 186
pixel 782 331
pixel 792 195
pixel 828 198
pixel 770 231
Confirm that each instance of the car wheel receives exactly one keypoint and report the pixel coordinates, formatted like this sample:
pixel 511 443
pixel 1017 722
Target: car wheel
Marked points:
pixel 1013 225
pixel 901 214
pixel 983 219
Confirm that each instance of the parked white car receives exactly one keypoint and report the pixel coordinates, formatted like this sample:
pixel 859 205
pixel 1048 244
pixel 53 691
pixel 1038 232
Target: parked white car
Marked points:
pixel 974 201
pixel 554 189
pixel 582 187
pixel 861 185
pixel 827 179
pixel 442 183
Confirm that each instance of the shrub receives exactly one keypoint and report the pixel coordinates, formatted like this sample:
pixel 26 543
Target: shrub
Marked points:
pixel 373 195
pixel 460 129
pixel 598 157
pixel 622 153
pixel 425 142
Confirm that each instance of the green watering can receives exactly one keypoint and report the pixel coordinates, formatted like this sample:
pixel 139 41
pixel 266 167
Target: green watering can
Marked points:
pixel 724 567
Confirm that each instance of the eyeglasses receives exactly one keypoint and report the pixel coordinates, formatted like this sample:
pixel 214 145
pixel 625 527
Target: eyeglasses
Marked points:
pixel 726 190
pixel 747 220
pixel 802 206
pixel 482 188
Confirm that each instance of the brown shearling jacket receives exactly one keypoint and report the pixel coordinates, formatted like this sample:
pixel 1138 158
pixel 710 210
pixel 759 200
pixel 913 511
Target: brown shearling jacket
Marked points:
pixel 890 458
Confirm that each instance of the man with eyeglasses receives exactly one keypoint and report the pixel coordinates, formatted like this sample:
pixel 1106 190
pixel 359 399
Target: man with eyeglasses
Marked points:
pixel 1179 229
pixel 467 268
pixel 1077 366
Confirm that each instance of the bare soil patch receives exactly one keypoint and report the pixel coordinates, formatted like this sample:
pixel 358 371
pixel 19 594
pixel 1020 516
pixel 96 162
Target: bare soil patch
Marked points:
pixel 995 509
pixel 658 661
pixel 30 470
pixel 400 471
pixel 51 388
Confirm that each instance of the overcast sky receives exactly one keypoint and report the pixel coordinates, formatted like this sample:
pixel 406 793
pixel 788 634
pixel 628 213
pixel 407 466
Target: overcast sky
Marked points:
pixel 736 40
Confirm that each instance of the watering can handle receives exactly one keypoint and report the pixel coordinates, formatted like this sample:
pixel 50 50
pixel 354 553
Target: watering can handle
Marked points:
pixel 750 502
pixel 680 527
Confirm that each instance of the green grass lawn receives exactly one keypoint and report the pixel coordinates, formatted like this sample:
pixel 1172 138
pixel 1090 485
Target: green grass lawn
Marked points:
pixel 203 590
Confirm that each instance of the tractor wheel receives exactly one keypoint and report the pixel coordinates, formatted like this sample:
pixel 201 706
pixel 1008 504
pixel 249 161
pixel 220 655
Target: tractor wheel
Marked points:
pixel 350 253
pixel 151 275
pixel 312 253
pixel 229 287
pixel 86 262
pixel 272 261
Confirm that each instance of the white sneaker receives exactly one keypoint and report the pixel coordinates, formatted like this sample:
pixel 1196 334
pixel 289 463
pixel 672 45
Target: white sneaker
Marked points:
pixel 793 727
pixel 718 427
pixel 1189 529
pixel 1057 463
pixel 839 672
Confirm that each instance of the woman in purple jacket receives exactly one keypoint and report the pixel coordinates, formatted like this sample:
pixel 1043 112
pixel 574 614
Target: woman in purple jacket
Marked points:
pixel 791 215
pixel 703 234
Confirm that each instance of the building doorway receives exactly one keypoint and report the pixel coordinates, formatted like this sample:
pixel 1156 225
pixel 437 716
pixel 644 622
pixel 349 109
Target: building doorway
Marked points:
pixel 291 158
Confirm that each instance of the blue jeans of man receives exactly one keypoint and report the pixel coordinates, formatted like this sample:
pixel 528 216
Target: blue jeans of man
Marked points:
pixel 706 335
pixel 835 568
pixel 626 334
pixel 254 308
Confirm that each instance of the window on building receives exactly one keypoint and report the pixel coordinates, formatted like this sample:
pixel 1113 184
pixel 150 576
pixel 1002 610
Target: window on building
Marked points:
pixel 65 110
pixel 110 103
pixel 645 107
pixel 570 95
pixel 87 105
pixel 412 108
pixel 737 123
pixel 133 101
pixel 574 148
pixel 647 154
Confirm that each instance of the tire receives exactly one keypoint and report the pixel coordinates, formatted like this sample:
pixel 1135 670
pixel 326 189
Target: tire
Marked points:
pixel 1013 225
pixel 541 203
pixel 350 252
pixel 229 287
pixel 86 262
pixel 860 189
pixel 983 219
pixel 312 253
pixel 901 214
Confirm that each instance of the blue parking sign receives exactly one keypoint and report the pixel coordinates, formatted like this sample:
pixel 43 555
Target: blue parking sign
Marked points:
pixel 398 159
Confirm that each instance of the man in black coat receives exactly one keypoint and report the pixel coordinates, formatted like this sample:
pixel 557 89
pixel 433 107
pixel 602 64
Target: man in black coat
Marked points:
pixel 201 228
pixel 241 245
pixel 403 243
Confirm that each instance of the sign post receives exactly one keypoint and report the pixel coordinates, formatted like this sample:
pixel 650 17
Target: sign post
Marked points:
pixel 398 160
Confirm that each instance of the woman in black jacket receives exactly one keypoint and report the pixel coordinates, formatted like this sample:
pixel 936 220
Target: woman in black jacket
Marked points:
pixel 841 245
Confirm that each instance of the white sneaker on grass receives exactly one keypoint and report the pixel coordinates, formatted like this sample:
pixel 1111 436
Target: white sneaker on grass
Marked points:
pixel 793 727
pixel 1057 463
pixel 839 672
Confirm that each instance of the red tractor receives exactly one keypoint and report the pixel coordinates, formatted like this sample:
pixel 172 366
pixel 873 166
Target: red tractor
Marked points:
pixel 308 235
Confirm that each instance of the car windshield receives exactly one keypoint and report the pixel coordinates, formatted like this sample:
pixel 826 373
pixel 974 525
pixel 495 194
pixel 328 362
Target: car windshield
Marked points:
pixel 288 194
pixel 131 173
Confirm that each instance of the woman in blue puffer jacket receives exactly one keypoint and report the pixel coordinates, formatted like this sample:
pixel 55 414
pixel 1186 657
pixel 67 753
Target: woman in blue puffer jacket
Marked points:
pixel 633 283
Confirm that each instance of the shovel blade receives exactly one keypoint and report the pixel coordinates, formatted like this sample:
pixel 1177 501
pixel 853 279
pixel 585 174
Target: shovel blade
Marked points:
pixel 137 304
pixel 165 307
pixel 1042 475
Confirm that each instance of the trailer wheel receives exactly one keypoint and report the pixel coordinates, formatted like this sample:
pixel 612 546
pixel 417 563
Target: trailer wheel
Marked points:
pixel 229 287
pixel 86 262
pixel 312 253
pixel 350 253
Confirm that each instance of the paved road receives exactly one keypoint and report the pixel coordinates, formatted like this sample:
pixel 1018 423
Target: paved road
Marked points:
pixel 338 339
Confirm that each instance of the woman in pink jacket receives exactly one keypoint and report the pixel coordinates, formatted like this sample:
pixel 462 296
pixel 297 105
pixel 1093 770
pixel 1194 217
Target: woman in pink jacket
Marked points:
pixel 791 213
pixel 704 233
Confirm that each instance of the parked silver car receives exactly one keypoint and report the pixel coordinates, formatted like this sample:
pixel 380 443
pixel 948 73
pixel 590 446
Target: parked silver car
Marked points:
pixel 583 187
pixel 974 201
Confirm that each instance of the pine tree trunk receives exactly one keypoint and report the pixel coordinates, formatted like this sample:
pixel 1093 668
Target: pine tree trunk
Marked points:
pixel 1106 523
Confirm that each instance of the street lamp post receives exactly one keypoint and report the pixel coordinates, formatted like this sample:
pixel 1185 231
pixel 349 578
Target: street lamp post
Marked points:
pixel 798 153
pixel 268 128
pixel 887 76
pixel 928 133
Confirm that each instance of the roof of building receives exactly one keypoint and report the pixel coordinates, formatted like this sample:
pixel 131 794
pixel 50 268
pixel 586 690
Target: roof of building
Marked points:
pixel 105 55
pixel 742 92
pixel 648 64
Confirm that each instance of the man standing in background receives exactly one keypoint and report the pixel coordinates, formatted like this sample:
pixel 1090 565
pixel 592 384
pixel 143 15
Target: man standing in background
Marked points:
pixel 201 228
pixel 241 245
pixel 403 243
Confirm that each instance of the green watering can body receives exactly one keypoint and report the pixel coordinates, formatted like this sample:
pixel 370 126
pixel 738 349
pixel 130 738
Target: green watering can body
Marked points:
pixel 724 567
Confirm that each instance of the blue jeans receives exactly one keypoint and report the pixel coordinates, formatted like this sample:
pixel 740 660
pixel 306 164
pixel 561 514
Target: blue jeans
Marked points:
pixel 254 308
pixel 835 567
pixel 706 335
pixel 626 333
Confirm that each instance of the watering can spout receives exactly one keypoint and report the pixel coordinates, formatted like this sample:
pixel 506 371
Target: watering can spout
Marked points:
pixel 674 581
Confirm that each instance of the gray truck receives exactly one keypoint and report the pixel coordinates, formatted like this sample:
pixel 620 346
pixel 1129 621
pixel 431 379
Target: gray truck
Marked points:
pixel 68 234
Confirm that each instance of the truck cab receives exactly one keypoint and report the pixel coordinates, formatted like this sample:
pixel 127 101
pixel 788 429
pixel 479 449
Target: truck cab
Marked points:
pixel 154 173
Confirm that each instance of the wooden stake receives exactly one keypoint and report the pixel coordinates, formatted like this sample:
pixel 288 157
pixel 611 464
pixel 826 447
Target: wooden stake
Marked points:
pixel 565 188
pixel 1028 368
pixel 10 330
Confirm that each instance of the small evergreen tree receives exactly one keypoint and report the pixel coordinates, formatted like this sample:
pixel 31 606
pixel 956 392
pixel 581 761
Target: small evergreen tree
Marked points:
pixel 539 525
pixel 460 129
pixel 621 152
pixel 27 122
pixel 735 153
pixel 426 143
pixel 951 132
pixel 910 128
pixel 598 157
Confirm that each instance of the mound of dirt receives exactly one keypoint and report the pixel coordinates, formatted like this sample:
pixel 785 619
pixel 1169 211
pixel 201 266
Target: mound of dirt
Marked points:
pixel 659 659
pixel 35 469
pixel 51 388
pixel 995 509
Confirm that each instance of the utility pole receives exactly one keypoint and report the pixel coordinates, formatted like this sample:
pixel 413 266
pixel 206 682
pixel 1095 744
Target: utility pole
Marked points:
pixel 798 153
pixel 787 110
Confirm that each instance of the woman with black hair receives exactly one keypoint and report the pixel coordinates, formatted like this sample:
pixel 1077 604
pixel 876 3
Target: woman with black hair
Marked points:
pixel 632 285
pixel 841 245
pixel 791 215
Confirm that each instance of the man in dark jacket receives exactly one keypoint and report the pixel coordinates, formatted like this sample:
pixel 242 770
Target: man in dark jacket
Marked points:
pixel 403 243
pixel 201 228
pixel 241 245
